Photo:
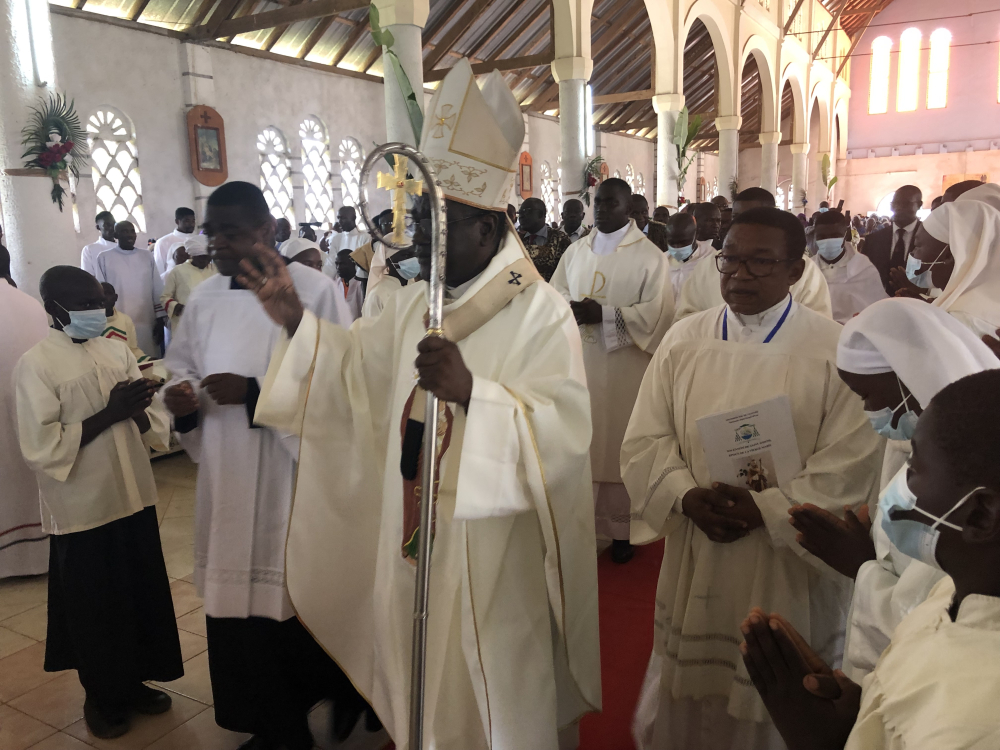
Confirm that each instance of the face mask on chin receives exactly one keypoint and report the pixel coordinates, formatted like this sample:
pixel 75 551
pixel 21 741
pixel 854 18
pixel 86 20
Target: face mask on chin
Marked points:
pixel 923 280
pixel 881 420
pixel 913 538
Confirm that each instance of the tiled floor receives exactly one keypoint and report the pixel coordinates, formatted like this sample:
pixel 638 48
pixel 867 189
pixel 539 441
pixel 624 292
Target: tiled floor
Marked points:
pixel 44 711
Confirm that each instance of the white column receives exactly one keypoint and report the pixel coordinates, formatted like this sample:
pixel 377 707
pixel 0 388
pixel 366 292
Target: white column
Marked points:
pixel 572 74
pixel 199 90
pixel 36 233
pixel 769 161
pixel 667 107
pixel 405 19
pixel 800 175
pixel 729 151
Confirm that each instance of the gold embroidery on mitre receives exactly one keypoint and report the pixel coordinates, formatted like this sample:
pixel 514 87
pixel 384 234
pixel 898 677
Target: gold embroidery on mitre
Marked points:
pixel 444 120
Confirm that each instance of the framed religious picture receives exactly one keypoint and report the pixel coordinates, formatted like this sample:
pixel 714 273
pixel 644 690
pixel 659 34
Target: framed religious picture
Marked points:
pixel 207 146
pixel 524 174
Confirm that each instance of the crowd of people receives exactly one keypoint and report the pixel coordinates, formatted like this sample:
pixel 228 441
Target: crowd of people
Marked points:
pixel 852 601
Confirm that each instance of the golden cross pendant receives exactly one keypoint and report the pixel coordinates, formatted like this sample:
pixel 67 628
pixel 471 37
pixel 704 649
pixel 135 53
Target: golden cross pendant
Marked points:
pixel 399 186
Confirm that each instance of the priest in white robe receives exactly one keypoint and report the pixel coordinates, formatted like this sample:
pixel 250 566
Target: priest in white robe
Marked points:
pixel 729 548
pixel 24 548
pixel 105 222
pixel 513 642
pixel 617 283
pixel 684 249
pixel 133 274
pixel 163 249
pixel 217 360
pixel 852 279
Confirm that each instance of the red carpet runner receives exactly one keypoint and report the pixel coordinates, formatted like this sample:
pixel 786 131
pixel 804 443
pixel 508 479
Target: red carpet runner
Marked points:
pixel 627 594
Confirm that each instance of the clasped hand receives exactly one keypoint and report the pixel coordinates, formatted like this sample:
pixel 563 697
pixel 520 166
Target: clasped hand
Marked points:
pixel 225 388
pixel 725 513
pixel 587 311
pixel 130 399
pixel 844 545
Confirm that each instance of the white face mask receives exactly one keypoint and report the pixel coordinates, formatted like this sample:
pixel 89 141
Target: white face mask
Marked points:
pixel 681 253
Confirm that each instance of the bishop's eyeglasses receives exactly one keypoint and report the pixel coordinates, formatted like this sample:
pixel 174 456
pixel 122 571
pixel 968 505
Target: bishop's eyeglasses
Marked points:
pixel 758 268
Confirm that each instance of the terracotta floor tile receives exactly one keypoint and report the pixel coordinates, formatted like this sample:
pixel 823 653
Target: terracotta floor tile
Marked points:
pixel 196 683
pixel 200 733
pixel 145 729
pixel 193 622
pixel 32 623
pixel 19 731
pixel 60 741
pixel 185 598
pixel 11 642
pixel 22 672
pixel 191 644
pixel 58 703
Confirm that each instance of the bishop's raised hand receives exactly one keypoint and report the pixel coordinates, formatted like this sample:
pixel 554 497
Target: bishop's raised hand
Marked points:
pixel 265 274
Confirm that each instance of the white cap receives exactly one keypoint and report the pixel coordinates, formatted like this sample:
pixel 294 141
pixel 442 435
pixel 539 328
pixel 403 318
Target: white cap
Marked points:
pixel 473 137
pixel 294 246
pixel 196 244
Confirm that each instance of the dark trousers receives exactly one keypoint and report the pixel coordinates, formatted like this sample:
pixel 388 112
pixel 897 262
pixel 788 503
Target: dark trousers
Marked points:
pixel 267 675
pixel 111 617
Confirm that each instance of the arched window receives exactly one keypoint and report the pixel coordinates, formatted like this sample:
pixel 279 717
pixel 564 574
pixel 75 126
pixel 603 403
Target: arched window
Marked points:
pixel 352 157
pixel 937 69
pixel 316 172
pixel 549 195
pixel 884 207
pixel 276 173
pixel 908 82
pixel 640 184
pixel 630 176
pixel 878 83
pixel 114 162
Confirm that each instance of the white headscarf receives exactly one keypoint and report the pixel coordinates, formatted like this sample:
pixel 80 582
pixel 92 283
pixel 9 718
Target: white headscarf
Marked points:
pixel 988 193
pixel 195 245
pixel 972 231
pixel 291 248
pixel 925 346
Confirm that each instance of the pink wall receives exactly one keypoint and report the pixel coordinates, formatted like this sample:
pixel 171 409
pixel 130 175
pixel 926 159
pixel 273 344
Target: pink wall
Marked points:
pixel 972 115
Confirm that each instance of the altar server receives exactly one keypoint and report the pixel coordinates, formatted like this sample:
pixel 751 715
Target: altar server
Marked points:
pixel 163 250
pixel 182 279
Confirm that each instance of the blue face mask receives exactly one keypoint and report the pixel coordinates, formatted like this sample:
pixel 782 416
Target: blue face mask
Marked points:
pixel 85 324
pixel 823 209
pixel 681 253
pixel 829 249
pixel 409 268
pixel 913 538
pixel 881 420
pixel 923 280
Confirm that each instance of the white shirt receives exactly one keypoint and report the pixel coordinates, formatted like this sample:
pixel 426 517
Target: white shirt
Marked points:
pixel 581 231
pixel 88 258
pixel 59 384
pixel 163 250
pixel 753 329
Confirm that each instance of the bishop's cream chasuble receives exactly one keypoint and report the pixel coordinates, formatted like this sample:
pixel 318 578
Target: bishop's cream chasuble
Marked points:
pixel 513 640
pixel 245 474
pixel 936 685
pixel 632 284
pixel 703 291
pixel 705 588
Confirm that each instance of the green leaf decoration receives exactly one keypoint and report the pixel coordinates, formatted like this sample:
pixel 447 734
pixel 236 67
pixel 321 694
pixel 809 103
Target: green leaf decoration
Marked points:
pixel 681 129
pixel 54 141
pixel 824 170
pixel 831 183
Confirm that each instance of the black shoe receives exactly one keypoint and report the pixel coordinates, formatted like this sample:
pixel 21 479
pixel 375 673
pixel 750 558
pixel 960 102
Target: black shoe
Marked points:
pixel 372 723
pixel 150 702
pixel 621 551
pixel 346 713
pixel 104 725
pixel 257 743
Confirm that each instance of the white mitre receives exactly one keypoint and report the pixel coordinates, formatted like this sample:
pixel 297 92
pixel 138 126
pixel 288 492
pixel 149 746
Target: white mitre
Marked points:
pixel 473 136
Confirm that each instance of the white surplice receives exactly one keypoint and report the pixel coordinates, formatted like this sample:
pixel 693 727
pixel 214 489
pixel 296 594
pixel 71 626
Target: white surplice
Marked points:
pixel 705 588
pixel 680 271
pixel 134 276
pixel 60 384
pixel 629 276
pixel 245 473
pixel 375 299
pixel 702 291
pixel 163 251
pixel 853 281
pixel 352 291
pixel 937 683
pixel 513 574
pixel 24 551
pixel 347 241
pixel 88 257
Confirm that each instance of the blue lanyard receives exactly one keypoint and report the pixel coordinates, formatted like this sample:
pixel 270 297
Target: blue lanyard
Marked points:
pixel 781 321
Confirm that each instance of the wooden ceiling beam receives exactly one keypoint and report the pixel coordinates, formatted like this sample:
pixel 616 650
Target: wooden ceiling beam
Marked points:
pixel 349 43
pixel 525 26
pixel 854 43
pixel 269 19
pixel 541 81
pixel 375 55
pixel 447 17
pixel 833 22
pixel 219 15
pixel 78 4
pixel 244 8
pixel 500 24
pixel 791 17
pixel 613 33
pixel 314 36
pixel 199 16
pixel 137 8
pixel 512 63
pixel 456 32
pixel 637 125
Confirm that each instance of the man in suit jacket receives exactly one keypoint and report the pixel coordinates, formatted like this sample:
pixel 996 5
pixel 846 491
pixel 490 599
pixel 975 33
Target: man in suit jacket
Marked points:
pixel 889 248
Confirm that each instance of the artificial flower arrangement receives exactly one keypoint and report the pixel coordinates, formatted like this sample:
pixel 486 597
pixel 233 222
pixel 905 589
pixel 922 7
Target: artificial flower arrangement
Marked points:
pixel 55 142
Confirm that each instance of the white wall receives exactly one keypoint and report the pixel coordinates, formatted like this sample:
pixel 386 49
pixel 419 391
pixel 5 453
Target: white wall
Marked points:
pixel 140 74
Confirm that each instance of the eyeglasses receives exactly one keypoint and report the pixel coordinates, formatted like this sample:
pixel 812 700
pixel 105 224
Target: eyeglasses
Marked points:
pixel 758 268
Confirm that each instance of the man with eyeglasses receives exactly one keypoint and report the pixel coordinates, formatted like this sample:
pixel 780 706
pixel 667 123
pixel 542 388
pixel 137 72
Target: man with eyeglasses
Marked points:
pixel 730 548
pixel 701 291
